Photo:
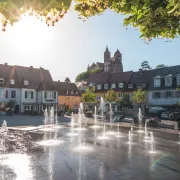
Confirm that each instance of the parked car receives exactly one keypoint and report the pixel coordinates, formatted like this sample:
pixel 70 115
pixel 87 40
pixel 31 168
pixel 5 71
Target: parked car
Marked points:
pixel 117 119
pixel 174 116
pixel 165 115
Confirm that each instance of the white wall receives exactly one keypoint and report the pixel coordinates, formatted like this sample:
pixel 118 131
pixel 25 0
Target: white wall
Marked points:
pixel 24 100
pixel 162 100
pixel 18 95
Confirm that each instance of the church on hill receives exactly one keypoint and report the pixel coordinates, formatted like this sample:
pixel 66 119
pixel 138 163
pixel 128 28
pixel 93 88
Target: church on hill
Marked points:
pixel 111 64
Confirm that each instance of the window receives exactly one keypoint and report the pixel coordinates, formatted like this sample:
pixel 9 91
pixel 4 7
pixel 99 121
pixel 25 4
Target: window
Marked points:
pixel 77 92
pixel 178 80
pixel 106 86
pixel 168 94
pixel 99 86
pixel 28 94
pixel 113 86
pixel 119 108
pixel 67 92
pixel 2 93
pixel 12 81
pixel 168 81
pixel 98 97
pixel 120 95
pixel 121 85
pixel 156 95
pixel 50 95
pixel 72 92
pixel 130 86
pixel 13 94
pixel 157 82
pixel 1 80
pixel 26 82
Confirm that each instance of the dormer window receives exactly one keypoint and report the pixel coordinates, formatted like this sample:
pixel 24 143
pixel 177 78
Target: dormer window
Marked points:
pixel 106 86
pixel 26 82
pixel 12 81
pixel 168 80
pixel 121 85
pixel 1 80
pixel 178 80
pixel 113 86
pixel 99 86
pixel 157 81
pixel 130 86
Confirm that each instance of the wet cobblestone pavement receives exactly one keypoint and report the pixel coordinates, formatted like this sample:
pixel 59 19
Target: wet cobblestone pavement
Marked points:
pixel 108 159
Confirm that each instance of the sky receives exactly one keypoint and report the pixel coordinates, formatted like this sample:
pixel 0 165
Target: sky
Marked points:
pixel 67 49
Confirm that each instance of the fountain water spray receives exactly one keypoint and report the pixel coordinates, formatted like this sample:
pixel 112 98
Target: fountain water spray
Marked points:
pixel 152 149
pixel 102 107
pixel 130 137
pixel 140 121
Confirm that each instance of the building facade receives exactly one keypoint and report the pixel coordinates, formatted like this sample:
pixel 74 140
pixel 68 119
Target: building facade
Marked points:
pixel 68 94
pixel 31 88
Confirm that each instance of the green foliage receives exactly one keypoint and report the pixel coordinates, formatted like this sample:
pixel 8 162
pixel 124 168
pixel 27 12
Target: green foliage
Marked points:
pixel 50 10
pixel 82 77
pixel 161 66
pixel 125 101
pixel 97 70
pixel 110 96
pixel 153 18
pixel 85 75
pixel 10 104
pixel 139 96
pixel 145 65
pixel 89 97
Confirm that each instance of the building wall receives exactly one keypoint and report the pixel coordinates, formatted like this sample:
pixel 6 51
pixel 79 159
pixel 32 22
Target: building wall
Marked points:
pixel 18 95
pixel 162 100
pixel 71 101
pixel 53 101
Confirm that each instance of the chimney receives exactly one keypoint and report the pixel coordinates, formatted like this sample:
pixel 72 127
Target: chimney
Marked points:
pixel 31 67
pixel 6 64
pixel 59 81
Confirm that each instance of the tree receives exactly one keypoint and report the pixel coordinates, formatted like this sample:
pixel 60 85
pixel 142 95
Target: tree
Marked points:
pixel 139 96
pixel 125 102
pixel 110 96
pixel 154 19
pixel 82 77
pixel 85 75
pixel 49 10
pixel 145 65
pixel 10 104
pixel 161 66
pixel 89 97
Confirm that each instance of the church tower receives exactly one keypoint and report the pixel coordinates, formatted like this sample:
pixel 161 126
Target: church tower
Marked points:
pixel 117 65
pixel 107 60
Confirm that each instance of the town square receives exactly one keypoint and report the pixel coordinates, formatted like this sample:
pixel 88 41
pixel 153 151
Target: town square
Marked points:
pixel 89 90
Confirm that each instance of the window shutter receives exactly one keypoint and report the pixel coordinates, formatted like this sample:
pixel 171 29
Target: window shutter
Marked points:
pixel 165 94
pixel 25 94
pixel 172 94
pixel 32 95
pixel 54 95
pixel 45 95
pixel 6 94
